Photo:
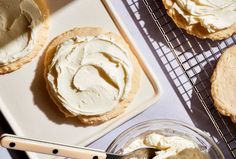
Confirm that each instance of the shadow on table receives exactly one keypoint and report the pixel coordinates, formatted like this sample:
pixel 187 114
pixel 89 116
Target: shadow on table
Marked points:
pixel 162 53
pixel 170 65
pixel 203 87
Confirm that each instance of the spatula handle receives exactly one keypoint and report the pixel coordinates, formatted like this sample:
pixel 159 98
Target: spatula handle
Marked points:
pixel 25 144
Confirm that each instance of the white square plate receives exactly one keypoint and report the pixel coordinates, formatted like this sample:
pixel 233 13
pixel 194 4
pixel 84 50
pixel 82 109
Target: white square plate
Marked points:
pixel 24 100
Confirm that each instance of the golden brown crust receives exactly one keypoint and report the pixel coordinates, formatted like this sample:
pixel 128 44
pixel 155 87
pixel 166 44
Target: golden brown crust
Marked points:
pixel 196 29
pixel 217 85
pixel 40 41
pixel 95 119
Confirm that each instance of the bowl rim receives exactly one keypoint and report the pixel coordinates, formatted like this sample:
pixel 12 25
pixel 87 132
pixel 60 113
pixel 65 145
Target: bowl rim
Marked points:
pixel 172 121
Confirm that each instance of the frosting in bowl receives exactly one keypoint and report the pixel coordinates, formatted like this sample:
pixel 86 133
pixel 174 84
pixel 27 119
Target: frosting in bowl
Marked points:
pixel 213 15
pixel 168 147
pixel 19 23
pixel 90 75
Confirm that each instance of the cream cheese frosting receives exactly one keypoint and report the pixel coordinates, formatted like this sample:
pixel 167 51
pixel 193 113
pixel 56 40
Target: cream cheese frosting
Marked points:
pixel 169 147
pixel 90 75
pixel 213 15
pixel 19 23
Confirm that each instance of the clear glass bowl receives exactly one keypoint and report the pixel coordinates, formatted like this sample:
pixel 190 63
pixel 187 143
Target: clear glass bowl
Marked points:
pixel 167 128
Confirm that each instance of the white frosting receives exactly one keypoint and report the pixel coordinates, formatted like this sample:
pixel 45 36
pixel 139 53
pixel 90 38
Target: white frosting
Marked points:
pixel 173 147
pixel 90 75
pixel 19 24
pixel 211 14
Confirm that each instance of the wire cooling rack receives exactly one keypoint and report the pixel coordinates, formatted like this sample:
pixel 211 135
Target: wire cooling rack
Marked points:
pixel 197 58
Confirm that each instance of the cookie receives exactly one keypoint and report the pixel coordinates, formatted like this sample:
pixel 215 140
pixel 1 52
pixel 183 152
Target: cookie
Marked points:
pixel 24 31
pixel 91 74
pixel 197 29
pixel 223 84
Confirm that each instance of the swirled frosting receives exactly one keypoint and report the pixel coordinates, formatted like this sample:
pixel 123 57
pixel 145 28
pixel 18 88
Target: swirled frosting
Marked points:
pixel 213 15
pixel 90 75
pixel 19 23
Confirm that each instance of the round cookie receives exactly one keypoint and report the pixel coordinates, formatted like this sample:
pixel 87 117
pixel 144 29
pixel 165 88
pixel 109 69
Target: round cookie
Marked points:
pixel 224 84
pixel 91 119
pixel 40 41
pixel 196 29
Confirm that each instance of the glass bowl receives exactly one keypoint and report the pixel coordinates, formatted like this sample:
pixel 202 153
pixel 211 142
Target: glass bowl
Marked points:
pixel 167 128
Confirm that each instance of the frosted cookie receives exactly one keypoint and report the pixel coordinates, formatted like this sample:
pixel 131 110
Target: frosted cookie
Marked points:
pixel 224 84
pixel 23 31
pixel 91 74
pixel 213 19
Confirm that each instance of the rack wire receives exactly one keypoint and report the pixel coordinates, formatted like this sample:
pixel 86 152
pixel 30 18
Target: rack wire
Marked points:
pixel 197 59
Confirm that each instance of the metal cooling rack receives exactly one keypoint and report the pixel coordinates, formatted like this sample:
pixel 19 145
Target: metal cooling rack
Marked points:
pixel 197 58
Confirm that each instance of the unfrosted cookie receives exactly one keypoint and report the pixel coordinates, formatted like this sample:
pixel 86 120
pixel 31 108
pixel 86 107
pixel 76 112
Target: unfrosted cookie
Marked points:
pixel 23 31
pixel 91 74
pixel 212 19
pixel 224 84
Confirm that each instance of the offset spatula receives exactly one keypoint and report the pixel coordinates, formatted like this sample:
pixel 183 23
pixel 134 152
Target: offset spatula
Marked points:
pixel 26 144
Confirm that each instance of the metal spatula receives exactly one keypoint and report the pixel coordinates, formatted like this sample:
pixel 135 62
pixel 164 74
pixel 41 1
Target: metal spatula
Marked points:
pixel 26 144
